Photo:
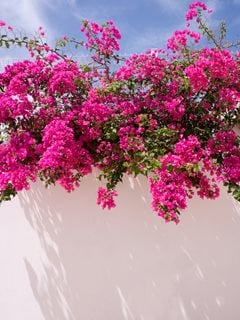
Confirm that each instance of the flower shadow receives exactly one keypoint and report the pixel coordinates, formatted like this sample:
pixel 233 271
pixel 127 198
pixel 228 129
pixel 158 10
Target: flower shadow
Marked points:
pixel 128 264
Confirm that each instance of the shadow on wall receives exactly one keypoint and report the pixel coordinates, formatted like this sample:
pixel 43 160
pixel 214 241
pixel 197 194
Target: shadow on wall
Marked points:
pixel 128 264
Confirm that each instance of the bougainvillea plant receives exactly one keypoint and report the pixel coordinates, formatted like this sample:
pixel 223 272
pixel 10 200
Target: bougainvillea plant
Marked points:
pixel 167 114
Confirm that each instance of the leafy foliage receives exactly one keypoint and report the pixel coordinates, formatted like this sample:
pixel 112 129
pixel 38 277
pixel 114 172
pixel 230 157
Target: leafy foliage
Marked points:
pixel 168 115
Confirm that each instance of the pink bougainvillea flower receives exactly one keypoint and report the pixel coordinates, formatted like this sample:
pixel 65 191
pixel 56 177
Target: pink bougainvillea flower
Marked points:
pixel 168 114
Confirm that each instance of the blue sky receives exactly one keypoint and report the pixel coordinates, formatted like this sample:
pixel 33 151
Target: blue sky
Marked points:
pixel 143 23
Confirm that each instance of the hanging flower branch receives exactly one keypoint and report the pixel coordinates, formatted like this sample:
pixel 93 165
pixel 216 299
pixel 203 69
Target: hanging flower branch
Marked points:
pixel 168 115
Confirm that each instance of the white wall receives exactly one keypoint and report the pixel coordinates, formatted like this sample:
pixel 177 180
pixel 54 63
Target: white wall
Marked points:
pixel 61 257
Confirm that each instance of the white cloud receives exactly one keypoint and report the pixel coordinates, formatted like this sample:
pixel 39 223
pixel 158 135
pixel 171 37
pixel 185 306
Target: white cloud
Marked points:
pixel 170 5
pixel 24 14
pixel 150 39
pixel 153 38
pixel 5 60
pixel 71 2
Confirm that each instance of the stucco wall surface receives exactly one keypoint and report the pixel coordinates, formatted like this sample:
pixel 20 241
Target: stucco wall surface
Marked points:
pixel 63 258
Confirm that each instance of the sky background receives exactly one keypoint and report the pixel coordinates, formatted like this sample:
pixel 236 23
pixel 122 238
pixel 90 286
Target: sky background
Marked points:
pixel 144 24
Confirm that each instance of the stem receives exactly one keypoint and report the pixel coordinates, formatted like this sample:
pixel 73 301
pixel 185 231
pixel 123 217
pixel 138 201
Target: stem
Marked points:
pixel 209 34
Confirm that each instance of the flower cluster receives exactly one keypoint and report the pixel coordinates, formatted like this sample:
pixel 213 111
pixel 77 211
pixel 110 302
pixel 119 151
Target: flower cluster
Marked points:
pixel 169 115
